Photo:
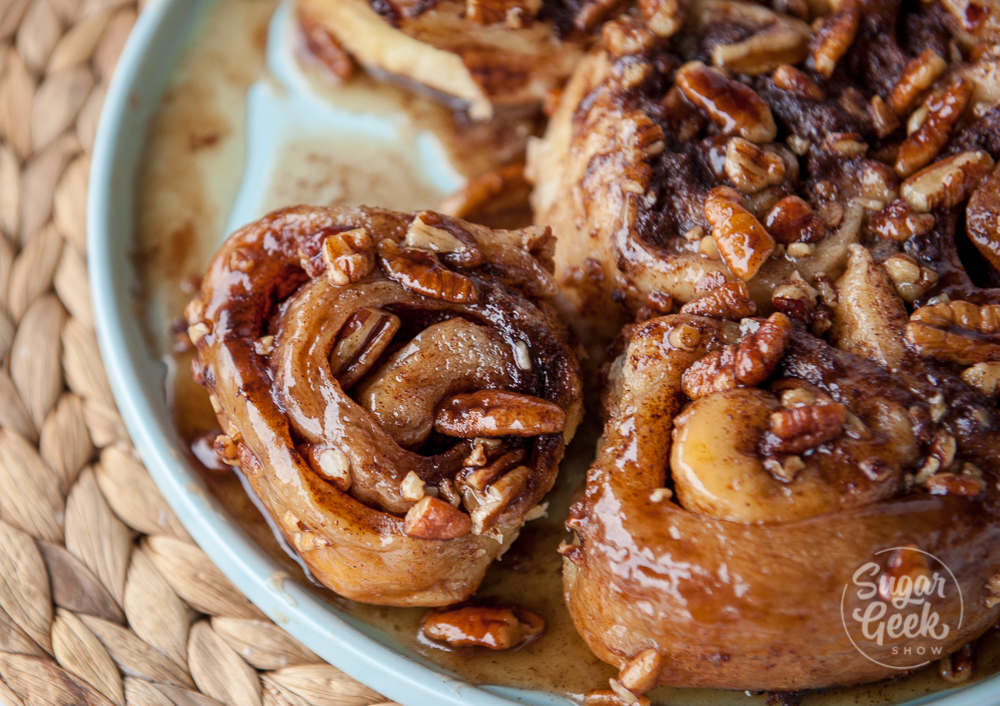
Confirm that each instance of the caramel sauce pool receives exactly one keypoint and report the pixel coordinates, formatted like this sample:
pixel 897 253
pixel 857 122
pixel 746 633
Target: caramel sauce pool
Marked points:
pixel 192 173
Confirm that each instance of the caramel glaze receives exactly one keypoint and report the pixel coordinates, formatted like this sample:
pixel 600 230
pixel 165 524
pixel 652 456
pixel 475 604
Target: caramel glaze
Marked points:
pixel 628 158
pixel 354 542
pixel 757 606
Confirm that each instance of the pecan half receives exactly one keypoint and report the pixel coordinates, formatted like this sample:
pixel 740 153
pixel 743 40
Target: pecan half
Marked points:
pixel 744 364
pixel 898 222
pixel 799 429
pixel 774 38
pixel 422 272
pixel 834 35
pixel 499 628
pixel 956 331
pixel 944 108
pixel 919 75
pixel 731 105
pixel 742 241
pixel 793 220
pixel 730 301
pixel 947 182
pixel 431 518
pixel 348 256
pixel 498 413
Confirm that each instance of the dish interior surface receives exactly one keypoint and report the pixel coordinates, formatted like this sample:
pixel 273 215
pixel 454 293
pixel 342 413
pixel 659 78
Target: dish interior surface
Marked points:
pixel 245 124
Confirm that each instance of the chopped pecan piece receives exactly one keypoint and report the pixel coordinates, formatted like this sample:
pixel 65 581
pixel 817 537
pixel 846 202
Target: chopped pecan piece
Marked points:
pixel 431 518
pixel 742 241
pixel 422 272
pixel 883 117
pixel 910 278
pixel 985 377
pixel 744 364
pixel 796 298
pixel 731 105
pixel 348 256
pixel 623 38
pixel 486 506
pixel 954 484
pixel 956 331
pixel 498 413
pixel 947 182
pixel 730 301
pixel 788 78
pixel 430 231
pixel 360 342
pixel 751 168
pixel 944 108
pixel 663 17
pixel 833 37
pixel 793 220
pixel 641 673
pixel 919 75
pixel 898 222
pixel 496 628
pixel 799 429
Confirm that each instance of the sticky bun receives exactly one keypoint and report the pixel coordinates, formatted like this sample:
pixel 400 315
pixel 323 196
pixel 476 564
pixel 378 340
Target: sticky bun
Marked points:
pixel 393 387
pixel 747 470
pixel 484 56
pixel 729 169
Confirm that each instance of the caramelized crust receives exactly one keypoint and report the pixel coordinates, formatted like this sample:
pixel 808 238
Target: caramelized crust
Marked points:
pixel 357 359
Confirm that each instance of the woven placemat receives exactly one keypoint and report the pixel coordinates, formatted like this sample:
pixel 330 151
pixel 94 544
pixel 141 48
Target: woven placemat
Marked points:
pixel 104 599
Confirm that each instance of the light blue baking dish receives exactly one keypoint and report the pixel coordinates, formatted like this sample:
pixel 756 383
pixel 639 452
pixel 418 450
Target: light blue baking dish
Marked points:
pixel 136 379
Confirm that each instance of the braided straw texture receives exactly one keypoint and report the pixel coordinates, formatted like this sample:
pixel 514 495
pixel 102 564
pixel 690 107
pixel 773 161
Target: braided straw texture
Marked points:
pixel 104 599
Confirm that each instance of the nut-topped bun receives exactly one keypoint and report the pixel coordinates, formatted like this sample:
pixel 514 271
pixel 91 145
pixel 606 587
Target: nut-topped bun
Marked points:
pixel 746 472
pixel 392 386
pixel 731 168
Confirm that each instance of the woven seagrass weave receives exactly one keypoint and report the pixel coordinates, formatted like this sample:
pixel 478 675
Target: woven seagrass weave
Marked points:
pixel 104 599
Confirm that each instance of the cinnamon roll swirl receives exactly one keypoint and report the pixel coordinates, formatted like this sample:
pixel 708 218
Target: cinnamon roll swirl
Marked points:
pixel 731 167
pixel 393 387
pixel 748 470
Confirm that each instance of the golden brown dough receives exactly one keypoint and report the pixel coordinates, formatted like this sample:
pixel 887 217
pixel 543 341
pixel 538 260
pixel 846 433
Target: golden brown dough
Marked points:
pixel 392 386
